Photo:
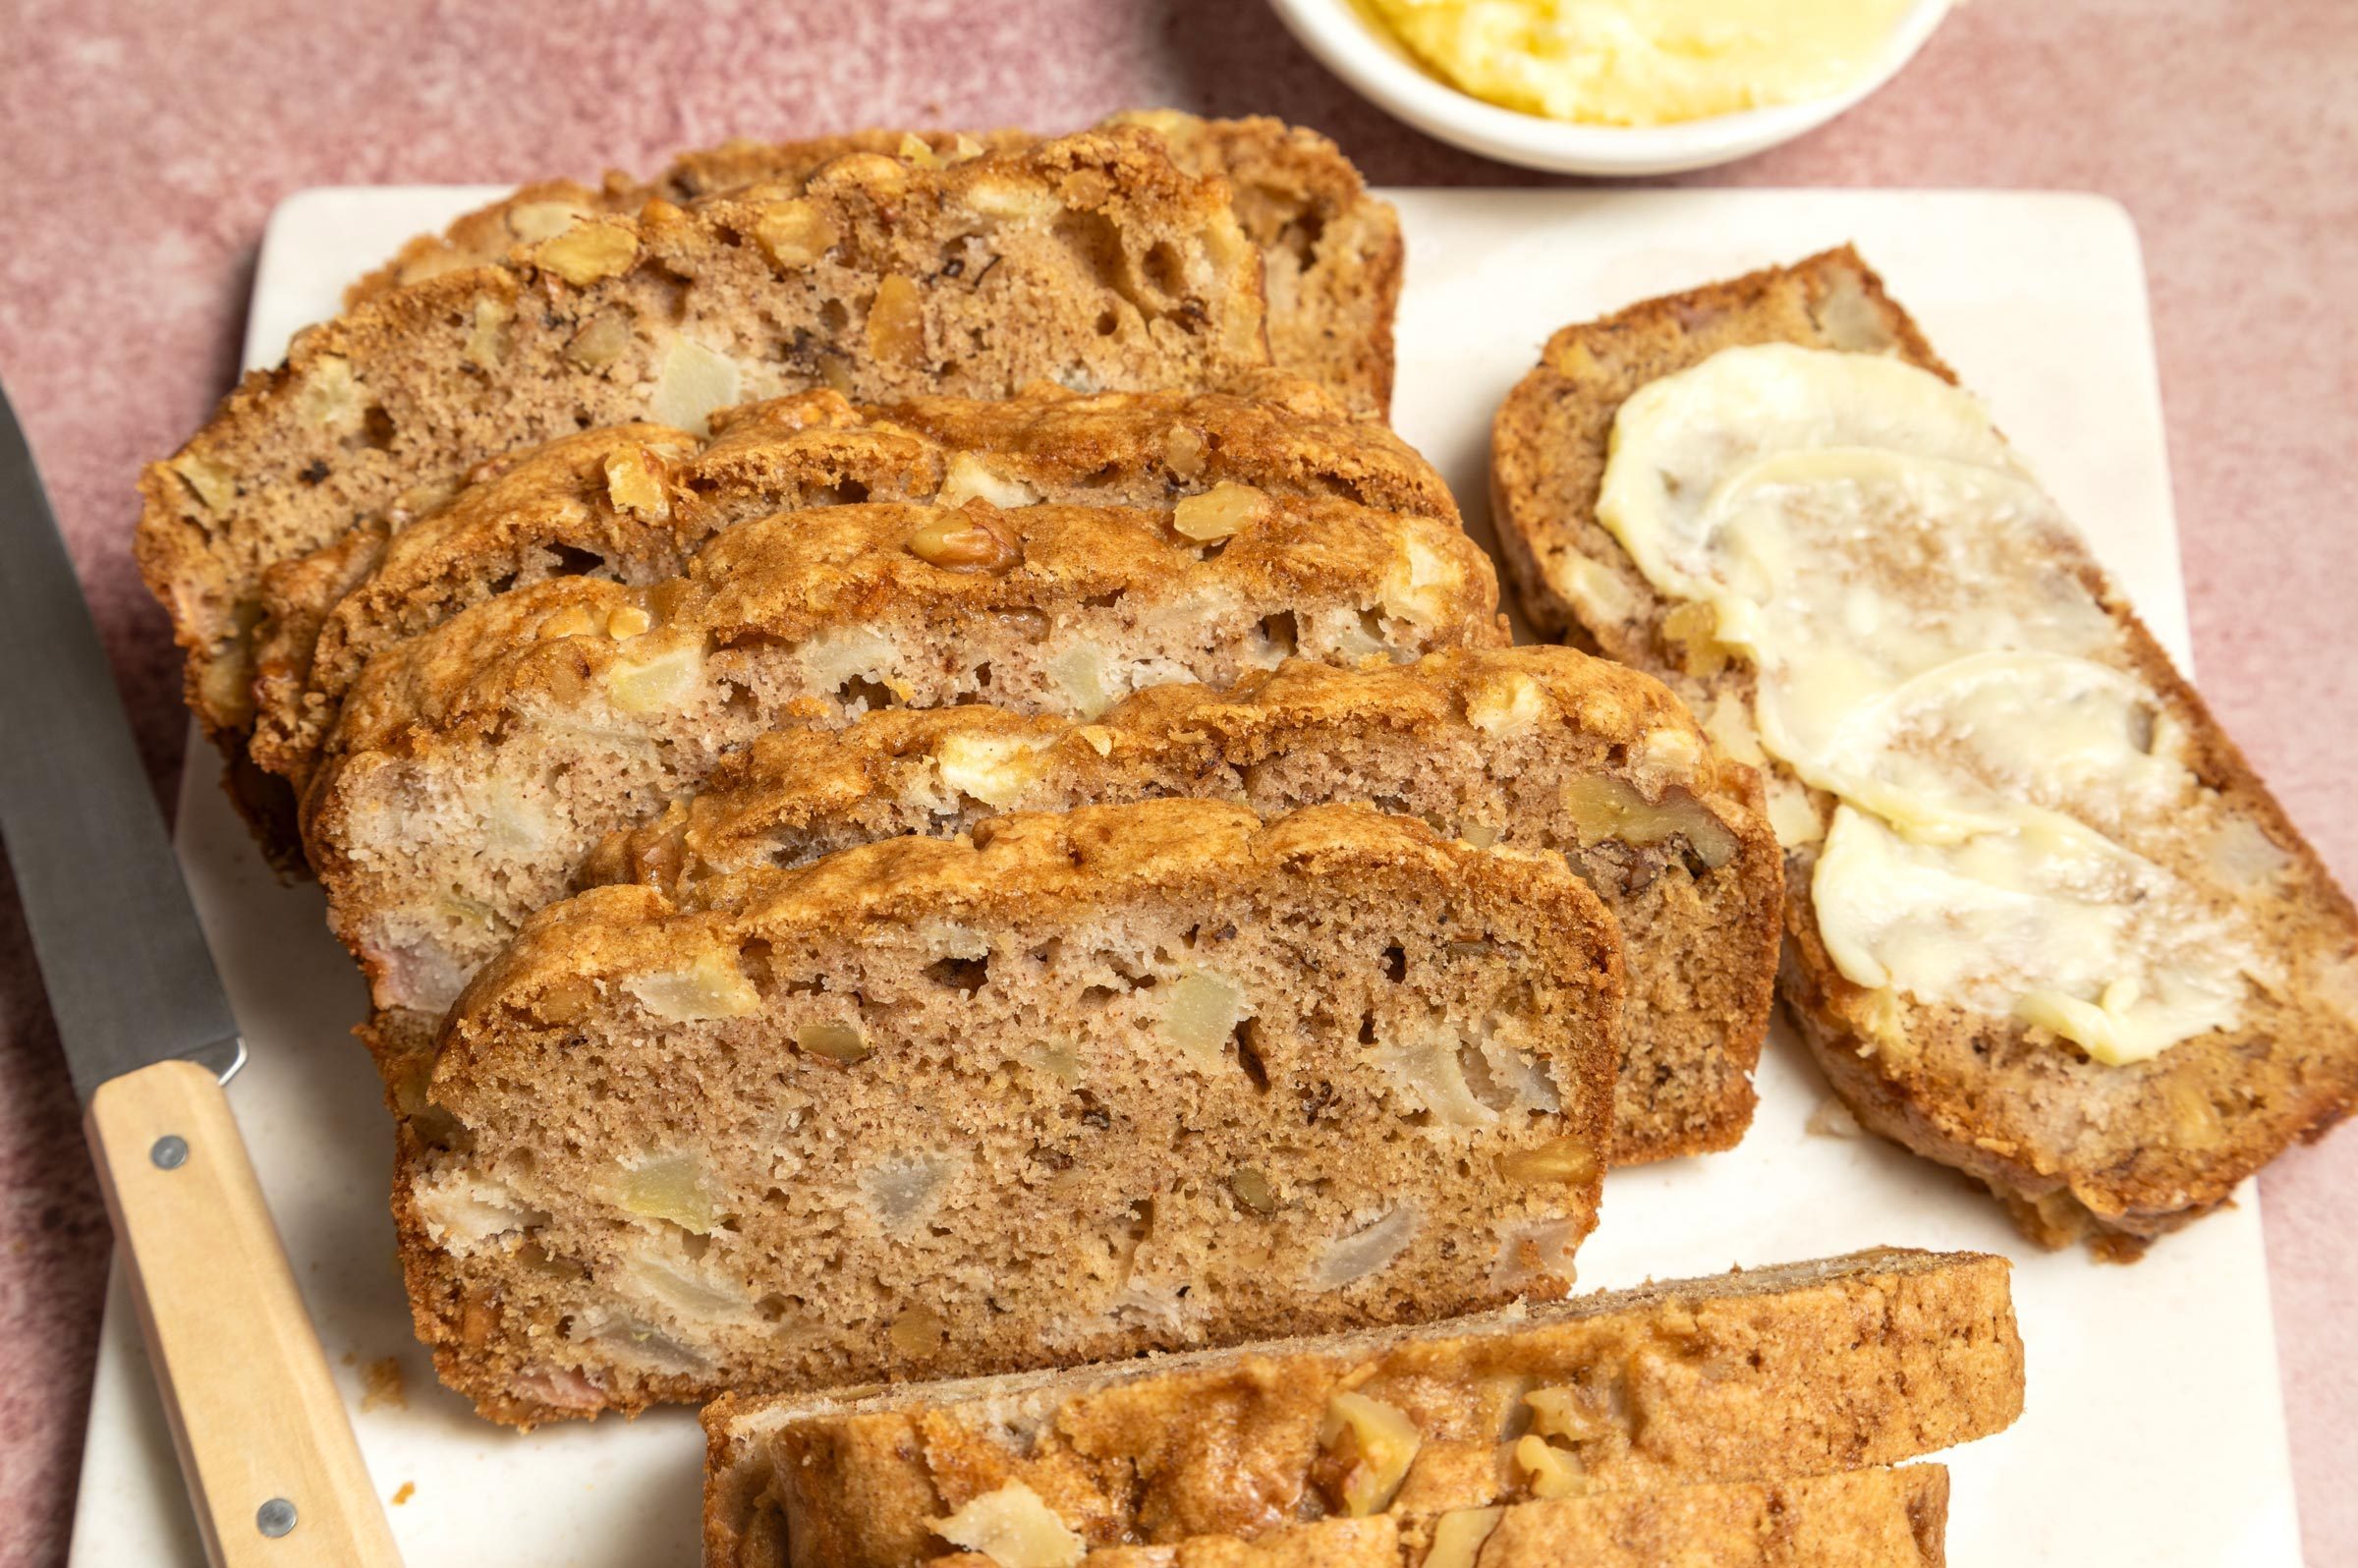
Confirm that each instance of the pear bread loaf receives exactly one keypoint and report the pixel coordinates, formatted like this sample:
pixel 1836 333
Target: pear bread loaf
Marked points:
pixel 1331 252
pixel 1092 260
pixel 1130 1078
pixel 1535 748
pixel 1803 1370
pixel 1856 1519
pixel 2044 923
pixel 474 766
pixel 632 502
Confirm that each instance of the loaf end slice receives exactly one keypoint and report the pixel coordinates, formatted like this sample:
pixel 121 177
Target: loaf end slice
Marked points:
pixel 1535 748
pixel 1803 1370
pixel 2117 1153
pixel 1128 1079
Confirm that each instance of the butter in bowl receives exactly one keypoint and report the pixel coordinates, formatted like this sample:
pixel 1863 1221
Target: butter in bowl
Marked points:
pixel 1614 86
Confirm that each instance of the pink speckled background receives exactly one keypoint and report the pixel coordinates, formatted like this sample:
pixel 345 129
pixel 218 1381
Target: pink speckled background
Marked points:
pixel 145 143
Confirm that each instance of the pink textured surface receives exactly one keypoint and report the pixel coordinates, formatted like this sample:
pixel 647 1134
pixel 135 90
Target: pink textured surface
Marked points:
pixel 146 143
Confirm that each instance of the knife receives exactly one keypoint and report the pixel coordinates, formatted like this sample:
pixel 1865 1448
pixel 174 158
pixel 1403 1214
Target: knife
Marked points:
pixel 267 1451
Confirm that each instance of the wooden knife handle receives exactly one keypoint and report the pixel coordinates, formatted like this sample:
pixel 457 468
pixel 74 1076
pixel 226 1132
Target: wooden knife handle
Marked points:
pixel 272 1468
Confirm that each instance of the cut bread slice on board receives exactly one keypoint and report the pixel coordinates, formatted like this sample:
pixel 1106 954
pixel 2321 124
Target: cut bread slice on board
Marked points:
pixel 1537 748
pixel 633 502
pixel 1093 260
pixel 2044 924
pixel 473 768
pixel 1331 252
pixel 1798 1371
pixel 1130 1078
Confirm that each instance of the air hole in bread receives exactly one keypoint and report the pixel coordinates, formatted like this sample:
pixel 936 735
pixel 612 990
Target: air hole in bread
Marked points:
pixel 566 560
pixel 376 428
pixel 968 974
pixel 861 695
pixel 1248 1054
pixel 1395 963
pixel 1283 632
pixel 1165 271
pixel 1301 237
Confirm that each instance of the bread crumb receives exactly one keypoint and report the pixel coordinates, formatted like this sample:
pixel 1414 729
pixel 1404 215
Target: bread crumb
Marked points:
pixel 1831 1119
pixel 381 1385
pixel 409 1489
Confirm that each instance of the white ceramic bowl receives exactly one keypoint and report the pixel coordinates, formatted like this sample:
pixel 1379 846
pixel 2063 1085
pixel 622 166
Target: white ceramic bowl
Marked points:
pixel 1377 66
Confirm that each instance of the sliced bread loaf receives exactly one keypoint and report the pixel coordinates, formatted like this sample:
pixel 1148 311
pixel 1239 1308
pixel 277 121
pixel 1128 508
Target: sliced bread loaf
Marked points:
pixel 1859 1518
pixel 1093 261
pixel 2045 922
pixel 1331 252
pixel 1536 748
pixel 1803 1370
pixel 1128 1079
pixel 633 502
pixel 473 768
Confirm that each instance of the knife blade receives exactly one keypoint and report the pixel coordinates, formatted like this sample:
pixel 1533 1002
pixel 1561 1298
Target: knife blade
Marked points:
pixel 84 835
pixel 263 1441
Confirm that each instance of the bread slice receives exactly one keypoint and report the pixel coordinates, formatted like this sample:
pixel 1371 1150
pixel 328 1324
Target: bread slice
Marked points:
pixel 2073 1146
pixel 1859 1518
pixel 1751 1376
pixel 1331 252
pixel 1536 748
pixel 1132 1078
pixel 473 768
pixel 632 502
pixel 1093 260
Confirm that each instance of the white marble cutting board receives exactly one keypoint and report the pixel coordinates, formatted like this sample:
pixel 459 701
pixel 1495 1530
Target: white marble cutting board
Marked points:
pixel 2155 1430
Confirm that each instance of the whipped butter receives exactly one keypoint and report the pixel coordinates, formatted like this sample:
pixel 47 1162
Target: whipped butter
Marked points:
pixel 1858 533
pixel 1644 62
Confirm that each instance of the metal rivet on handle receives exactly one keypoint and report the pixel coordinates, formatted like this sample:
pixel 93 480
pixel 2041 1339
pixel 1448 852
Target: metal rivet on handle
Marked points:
pixel 274 1518
pixel 169 1152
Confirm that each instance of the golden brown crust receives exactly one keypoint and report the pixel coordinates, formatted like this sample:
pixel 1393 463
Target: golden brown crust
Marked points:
pixel 1112 268
pixel 1704 939
pixel 1863 1519
pixel 472 767
pixel 1332 252
pixel 1806 1369
pixel 560 1031
pixel 2142 1149
pixel 787 579
pixel 633 502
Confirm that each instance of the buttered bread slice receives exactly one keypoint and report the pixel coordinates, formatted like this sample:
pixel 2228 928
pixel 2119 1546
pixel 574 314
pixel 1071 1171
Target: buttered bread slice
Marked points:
pixel 1132 1078
pixel 1801 1371
pixel 1331 252
pixel 1858 1519
pixel 2044 923
pixel 474 766
pixel 1534 748
pixel 633 502
pixel 1093 261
